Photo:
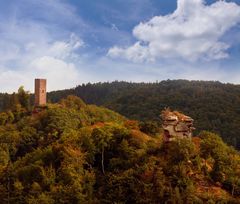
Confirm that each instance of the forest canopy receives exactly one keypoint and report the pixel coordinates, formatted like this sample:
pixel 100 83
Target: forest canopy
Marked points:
pixel 71 152
pixel 213 105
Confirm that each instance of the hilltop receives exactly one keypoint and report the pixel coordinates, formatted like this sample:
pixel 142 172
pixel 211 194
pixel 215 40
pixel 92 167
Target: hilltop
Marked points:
pixel 71 152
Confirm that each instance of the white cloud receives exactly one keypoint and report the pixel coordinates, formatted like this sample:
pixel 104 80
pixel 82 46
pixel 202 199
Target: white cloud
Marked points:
pixel 193 31
pixel 114 27
pixel 135 53
pixel 61 49
pixel 52 62
pixel 29 49
pixel 20 63
pixel 60 74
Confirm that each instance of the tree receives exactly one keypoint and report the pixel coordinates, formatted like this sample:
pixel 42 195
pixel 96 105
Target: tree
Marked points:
pixel 14 102
pixel 102 138
pixel 24 98
pixel 3 118
pixel 150 127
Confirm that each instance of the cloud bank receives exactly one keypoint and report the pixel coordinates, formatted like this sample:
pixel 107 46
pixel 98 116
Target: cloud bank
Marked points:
pixel 30 49
pixel 193 32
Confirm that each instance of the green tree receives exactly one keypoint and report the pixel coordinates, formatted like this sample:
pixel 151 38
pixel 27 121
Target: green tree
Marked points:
pixel 102 138
pixel 24 98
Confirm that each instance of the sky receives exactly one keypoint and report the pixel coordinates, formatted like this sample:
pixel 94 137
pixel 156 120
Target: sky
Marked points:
pixel 70 42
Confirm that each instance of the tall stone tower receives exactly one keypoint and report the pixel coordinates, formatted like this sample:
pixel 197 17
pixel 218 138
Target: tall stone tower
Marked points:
pixel 40 92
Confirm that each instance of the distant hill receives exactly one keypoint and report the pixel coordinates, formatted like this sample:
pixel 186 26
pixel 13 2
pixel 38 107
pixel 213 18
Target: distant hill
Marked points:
pixel 214 106
pixel 71 152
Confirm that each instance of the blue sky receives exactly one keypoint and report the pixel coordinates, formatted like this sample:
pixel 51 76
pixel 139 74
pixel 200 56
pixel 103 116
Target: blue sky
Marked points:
pixel 71 42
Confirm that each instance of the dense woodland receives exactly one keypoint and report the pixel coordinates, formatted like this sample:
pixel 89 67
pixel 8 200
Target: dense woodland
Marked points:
pixel 214 106
pixel 70 152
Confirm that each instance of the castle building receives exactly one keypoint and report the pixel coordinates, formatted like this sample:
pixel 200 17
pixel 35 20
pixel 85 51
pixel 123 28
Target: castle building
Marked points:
pixel 40 92
pixel 176 125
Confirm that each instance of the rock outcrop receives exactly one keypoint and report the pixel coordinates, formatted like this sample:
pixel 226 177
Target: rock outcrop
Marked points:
pixel 176 125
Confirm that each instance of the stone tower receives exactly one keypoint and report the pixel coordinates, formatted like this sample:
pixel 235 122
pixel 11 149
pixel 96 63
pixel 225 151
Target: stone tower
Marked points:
pixel 40 92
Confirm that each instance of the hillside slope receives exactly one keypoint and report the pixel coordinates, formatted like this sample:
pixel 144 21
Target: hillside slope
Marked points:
pixel 76 153
pixel 213 105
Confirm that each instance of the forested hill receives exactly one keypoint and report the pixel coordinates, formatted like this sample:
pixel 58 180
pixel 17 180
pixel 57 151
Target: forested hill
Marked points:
pixel 72 152
pixel 213 105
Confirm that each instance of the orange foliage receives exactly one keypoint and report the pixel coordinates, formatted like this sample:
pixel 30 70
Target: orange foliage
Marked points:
pixel 142 137
pixel 98 125
pixel 196 141
pixel 133 124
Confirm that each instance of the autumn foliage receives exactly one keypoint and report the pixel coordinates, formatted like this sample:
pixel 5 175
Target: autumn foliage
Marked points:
pixel 71 152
